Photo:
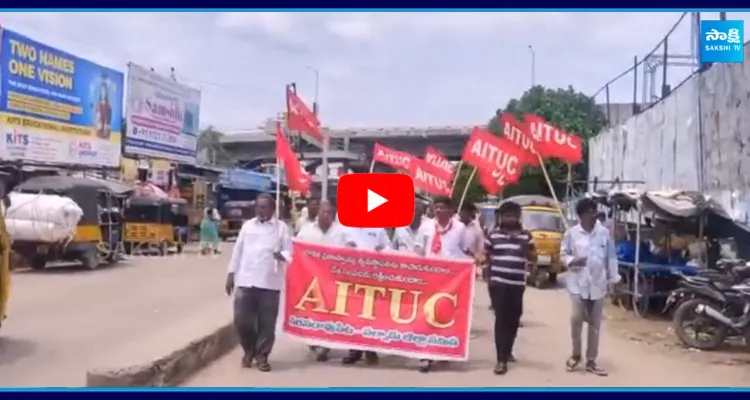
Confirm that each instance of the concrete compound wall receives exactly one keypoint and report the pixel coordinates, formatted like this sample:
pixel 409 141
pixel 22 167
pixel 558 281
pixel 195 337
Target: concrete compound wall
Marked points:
pixel 698 138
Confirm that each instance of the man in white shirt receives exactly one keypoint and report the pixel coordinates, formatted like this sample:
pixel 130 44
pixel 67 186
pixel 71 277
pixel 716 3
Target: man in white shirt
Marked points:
pixel 588 251
pixel 312 207
pixel 474 233
pixel 443 237
pixel 324 230
pixel 405 239
pixel 366 239
pixel 262 248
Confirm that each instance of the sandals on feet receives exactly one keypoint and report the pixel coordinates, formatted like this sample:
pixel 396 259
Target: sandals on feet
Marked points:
pixel 572 363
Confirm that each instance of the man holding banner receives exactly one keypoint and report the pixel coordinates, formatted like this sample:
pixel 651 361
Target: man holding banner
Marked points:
pixel 367 239
pixel 323 230
pixel 444 237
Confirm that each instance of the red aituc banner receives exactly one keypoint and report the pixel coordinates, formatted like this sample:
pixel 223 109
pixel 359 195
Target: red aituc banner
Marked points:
pixel 517 133
pixel 552 142
pixel 429 178
pixel 388 302
pixel 441 163
pixel 398 160
pixel 495 158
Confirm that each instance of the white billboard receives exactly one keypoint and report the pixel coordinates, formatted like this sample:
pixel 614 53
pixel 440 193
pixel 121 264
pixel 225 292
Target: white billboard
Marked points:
pixel 162 116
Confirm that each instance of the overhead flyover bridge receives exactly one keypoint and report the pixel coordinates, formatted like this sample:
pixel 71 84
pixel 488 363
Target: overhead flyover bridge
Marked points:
pixel 351 147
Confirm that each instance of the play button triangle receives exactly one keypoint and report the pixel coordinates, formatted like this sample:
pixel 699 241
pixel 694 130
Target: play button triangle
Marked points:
pixel 374 200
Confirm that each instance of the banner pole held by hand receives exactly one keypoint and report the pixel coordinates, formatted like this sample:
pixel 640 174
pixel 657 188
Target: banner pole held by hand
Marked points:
pixel 455 178
pixel 278 210
pixel 466 188
pixel 552 190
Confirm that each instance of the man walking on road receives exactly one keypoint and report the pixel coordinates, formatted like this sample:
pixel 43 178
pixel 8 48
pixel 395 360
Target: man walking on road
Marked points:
pixel 324 230
pixel 508 249
pixel 367 239
pixel 589 252
pixel 445 237
pixel 263 246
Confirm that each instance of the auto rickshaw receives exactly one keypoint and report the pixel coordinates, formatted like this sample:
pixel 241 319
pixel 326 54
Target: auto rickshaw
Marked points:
pixel 98 233
pixel 233 215
pixel 542 217
pixel 151 224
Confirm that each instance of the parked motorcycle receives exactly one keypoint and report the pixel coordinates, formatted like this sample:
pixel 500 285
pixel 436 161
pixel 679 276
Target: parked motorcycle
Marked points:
pixel 726 273
pixel 716 309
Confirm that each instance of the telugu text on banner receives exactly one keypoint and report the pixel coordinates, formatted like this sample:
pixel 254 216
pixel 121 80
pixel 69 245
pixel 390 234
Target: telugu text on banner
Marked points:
pixel 387 302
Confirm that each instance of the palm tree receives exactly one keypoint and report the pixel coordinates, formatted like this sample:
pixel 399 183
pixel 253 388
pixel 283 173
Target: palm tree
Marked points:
pixel 209 141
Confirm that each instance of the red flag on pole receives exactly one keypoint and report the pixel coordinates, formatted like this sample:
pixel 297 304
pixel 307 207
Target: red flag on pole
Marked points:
pixel 438 160
pixel 301 118
pixel 398 160
pixel 296 178
pixel 552 142
pixel 430 179
pixel 517 133
pixel 497 157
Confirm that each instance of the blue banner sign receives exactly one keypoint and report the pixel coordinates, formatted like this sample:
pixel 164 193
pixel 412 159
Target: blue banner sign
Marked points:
pixel 246 180
pixel 56 108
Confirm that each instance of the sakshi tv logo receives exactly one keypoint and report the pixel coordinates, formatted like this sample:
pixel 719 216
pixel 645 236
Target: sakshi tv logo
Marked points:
pixel 722 41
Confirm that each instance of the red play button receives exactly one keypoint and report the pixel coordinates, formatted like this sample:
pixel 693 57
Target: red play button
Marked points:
pixel 375 200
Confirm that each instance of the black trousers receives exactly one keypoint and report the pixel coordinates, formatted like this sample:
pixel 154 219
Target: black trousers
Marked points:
pixel 255 311
pixel 507 302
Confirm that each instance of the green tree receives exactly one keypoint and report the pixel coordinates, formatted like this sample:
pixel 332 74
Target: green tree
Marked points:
pixel 209 141
pixel 572 111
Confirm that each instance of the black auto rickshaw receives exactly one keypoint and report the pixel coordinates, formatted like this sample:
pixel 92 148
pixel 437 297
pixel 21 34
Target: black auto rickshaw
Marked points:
pixel 152 224
pixel 233 215
pixel 99 231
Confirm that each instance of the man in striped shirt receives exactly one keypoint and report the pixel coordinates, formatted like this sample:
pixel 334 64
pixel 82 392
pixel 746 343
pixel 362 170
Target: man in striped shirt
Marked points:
pixel 508 248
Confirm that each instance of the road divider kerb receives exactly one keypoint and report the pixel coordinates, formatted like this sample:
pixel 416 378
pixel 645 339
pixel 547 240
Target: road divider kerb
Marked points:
pixel 172 369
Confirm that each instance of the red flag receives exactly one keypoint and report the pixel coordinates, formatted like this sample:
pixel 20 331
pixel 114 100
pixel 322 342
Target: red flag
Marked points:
pixel 438 160
pixel 517 133
pixel 399 160
pixel 552 142
pixel 296 177
pixel 490 184
pixel 300 118
pixel 428 178
pixel 496 157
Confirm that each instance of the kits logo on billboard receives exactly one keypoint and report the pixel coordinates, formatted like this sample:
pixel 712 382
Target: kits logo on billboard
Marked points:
pixel 16 138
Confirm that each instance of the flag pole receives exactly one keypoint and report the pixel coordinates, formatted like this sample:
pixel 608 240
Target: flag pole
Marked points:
pixel 552 190
pixel 278 209
pixel 372 165
pixel 466 188
pixel 455 178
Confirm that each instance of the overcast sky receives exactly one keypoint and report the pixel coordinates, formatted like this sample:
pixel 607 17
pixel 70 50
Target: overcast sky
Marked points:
pixel 376 69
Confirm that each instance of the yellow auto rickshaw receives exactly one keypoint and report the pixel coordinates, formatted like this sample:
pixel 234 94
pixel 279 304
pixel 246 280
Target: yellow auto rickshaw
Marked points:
pixel 152 224
pixel 233 215
pixel 97 236
pixel 542 217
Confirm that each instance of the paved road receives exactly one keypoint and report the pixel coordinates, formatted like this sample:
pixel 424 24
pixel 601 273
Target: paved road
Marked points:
pixel 63 321
pixel 542 349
